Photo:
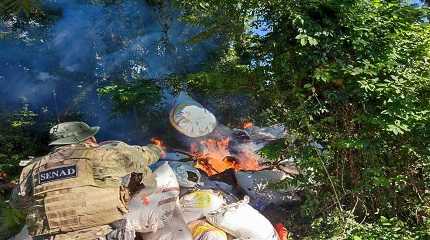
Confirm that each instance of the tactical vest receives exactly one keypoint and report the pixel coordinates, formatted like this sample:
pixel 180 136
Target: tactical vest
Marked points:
pixel 66 195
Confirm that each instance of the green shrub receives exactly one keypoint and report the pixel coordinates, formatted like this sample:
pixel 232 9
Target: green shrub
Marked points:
pixel 352 76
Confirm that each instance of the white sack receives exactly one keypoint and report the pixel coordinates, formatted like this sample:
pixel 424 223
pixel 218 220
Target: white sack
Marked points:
pixel 198 204
pixel 149 212
pixel 243 222
pixel 202 230
pixel 175 229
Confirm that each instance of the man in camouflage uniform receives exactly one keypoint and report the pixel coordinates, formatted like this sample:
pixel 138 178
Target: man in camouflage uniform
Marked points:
pixel 77 191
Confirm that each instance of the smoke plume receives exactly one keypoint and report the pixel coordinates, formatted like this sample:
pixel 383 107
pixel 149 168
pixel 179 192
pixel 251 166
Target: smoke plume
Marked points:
pixel 56 65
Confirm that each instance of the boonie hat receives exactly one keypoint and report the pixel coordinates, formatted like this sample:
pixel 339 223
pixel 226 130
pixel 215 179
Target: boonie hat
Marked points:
pixel 71 132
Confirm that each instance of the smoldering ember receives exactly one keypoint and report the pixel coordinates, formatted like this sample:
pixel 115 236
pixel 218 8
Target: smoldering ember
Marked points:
pixel 214 120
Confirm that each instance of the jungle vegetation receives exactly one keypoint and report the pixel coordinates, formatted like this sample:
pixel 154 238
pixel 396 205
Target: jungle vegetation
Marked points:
pixel 350 75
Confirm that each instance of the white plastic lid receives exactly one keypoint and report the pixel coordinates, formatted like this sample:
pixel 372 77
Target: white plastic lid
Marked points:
pixel 192 120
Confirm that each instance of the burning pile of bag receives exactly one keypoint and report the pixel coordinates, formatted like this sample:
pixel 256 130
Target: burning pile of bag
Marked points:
pixel 186 213
pixel 216 190
pixel 193 202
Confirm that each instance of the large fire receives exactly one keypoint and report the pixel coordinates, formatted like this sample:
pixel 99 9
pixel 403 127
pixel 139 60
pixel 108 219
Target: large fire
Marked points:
pixel 213 157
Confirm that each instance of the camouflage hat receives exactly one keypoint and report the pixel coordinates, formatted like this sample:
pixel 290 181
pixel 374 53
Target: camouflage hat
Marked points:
pixel 71 132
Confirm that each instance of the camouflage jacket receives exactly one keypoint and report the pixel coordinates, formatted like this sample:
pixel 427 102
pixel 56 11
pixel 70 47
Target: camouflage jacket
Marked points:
pixel 111 161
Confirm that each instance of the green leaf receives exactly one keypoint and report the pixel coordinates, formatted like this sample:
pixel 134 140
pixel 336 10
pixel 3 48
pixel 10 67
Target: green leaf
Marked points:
pixel 303 41
pixel 312 41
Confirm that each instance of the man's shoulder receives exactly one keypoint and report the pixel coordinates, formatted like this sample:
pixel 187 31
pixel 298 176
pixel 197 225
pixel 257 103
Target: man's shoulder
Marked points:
pixel 28 166
pixel 112 144
pixel 29 161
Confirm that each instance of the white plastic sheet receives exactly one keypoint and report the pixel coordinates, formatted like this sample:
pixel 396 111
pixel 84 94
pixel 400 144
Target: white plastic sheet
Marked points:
pixel 187 175
pixel 255 138
pixel 276 131
pixel 255 184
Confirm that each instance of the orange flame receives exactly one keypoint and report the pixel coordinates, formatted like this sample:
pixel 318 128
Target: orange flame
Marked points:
pixel 282 231
pixel 248 160
pixel 247 124
pixel 213 157
pixel 157 141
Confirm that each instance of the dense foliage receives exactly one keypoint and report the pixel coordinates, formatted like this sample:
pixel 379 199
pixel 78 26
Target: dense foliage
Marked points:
pixel 20 138
pixel 350 79
pixel 352 76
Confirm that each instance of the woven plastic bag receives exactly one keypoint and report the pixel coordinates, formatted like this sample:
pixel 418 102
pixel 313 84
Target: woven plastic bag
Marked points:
pixel 149 212
pixel 175 229
pixel 198 204
pixel 187 175
pixel 243 222
pixel 202 230
pixel 190 118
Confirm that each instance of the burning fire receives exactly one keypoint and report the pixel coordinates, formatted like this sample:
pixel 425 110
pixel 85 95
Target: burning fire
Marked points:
pixel 247 124
pixel 157 141
pixel 213 157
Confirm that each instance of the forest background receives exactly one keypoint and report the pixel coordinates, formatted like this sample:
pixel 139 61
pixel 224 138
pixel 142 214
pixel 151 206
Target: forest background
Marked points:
pixel 351 75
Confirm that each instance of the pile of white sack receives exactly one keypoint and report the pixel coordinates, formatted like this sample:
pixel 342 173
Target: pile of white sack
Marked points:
pixel 198 214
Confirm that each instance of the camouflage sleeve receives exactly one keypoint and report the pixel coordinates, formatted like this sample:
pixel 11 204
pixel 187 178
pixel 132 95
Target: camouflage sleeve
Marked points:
pixel 118 159
pixel 140 157
pixel 21 194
